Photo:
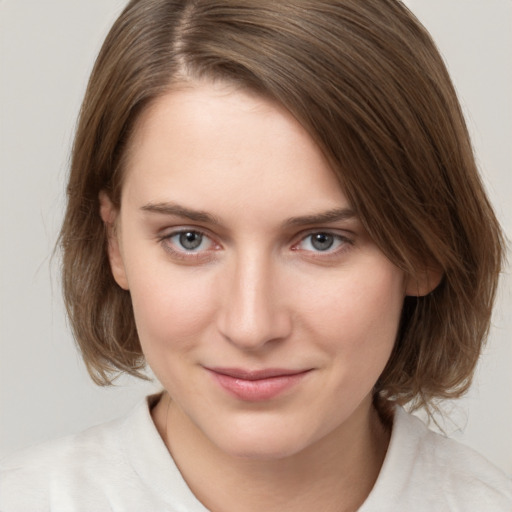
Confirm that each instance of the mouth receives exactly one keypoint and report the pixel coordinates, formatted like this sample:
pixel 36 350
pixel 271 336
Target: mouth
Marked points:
pixel 257 385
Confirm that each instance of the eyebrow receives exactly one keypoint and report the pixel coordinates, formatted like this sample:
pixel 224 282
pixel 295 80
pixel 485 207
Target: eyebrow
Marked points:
pixel 327 217
pixel 180 211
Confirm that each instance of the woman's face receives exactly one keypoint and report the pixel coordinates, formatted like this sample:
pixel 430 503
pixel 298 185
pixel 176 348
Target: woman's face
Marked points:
pixel 262 305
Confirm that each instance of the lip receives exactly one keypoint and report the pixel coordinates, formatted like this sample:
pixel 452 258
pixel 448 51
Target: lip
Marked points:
pixel 257 385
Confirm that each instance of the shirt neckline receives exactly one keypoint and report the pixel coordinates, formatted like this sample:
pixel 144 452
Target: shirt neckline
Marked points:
pixel 154 465
pixel 152 462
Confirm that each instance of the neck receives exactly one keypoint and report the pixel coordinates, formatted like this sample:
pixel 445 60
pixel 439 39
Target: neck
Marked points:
pixel 335 473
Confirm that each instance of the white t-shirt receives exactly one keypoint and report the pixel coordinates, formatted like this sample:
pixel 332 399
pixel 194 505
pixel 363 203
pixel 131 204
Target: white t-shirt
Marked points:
pixel 125 466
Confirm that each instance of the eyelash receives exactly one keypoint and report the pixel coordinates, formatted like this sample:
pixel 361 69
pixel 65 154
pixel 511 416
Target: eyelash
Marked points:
pixel 183 254
pixel 343 243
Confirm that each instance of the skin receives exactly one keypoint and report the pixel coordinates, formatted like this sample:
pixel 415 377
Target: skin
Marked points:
pixel 257 293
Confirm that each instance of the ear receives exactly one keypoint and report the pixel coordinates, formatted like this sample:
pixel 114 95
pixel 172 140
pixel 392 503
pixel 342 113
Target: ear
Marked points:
pixel 109 213
pixel 423 282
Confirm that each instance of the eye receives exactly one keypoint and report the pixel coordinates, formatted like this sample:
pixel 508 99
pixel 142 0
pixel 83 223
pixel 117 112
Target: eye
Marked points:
pixel 322 241
pixel 188 241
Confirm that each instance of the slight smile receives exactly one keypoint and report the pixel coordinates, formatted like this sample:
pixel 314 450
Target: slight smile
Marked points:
pixel 257 385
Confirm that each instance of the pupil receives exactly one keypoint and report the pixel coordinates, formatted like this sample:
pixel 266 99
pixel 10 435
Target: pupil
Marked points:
pixel 322 241
pixel 191 240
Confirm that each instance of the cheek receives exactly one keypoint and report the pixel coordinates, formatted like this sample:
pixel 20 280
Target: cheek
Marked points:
pixel 171 308
pixel 357 315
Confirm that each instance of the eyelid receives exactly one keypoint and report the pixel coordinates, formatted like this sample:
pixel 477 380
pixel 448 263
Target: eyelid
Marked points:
pixel 191 256
pixel 345 237
pixel 342 236
pixel 171 231
pixel 342 233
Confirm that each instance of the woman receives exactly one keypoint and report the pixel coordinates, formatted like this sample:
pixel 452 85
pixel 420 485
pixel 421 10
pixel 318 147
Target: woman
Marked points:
pixel 276 207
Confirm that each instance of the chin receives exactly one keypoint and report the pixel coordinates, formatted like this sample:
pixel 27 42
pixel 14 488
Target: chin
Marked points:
pixel 259 441
pixel 264 450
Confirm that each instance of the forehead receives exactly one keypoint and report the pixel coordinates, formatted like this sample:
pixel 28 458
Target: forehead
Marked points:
pixel 211 143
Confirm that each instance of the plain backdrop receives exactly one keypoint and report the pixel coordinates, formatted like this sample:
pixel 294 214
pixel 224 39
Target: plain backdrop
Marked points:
pixel 46 53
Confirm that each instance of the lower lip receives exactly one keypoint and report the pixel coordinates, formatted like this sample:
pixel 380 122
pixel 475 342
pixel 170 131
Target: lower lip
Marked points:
pixel 258 390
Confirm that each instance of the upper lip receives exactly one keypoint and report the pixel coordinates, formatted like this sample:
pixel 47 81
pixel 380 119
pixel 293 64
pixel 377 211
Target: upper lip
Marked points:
pixel 267 373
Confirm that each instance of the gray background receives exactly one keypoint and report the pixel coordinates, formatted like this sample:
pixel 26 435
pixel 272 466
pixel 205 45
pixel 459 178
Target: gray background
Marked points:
pixel 46 53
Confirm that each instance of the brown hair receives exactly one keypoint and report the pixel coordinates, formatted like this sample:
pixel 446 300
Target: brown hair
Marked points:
pixel 366 81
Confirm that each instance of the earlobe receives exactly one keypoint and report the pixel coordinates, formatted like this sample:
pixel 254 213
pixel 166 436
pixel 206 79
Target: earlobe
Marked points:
pixel 423 282
pixel 109 213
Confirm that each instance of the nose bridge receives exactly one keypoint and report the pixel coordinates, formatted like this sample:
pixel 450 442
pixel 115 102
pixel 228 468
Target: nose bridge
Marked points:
pixel 254 308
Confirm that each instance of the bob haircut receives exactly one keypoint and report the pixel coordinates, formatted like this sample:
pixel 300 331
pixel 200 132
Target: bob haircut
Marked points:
pixel 366 81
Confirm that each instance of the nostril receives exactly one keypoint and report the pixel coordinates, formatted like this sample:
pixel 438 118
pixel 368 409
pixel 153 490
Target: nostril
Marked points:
pixel 253 329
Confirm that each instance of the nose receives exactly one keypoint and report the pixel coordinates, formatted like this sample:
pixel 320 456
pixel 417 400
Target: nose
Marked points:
pixel 254 308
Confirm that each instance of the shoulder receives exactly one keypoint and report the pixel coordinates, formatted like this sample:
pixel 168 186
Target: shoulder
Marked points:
pixel 460 475
pixel 426 471
pixel 38 478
